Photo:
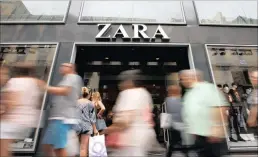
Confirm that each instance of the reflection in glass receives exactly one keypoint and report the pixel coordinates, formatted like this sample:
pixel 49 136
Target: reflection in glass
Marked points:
pixel 227 12
pixel 230 64
pixel 33 11
pixel 42 56
pixel 133 11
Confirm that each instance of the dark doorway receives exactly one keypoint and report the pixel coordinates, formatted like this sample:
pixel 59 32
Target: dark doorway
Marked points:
pixel 100 65
pixel 109 61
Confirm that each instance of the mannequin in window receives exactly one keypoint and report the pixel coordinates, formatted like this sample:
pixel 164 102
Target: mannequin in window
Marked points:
pixel 235 95
pixel 246 96
pixel 220 87
pixel 238 105
pixel 246 105
pixel 232 116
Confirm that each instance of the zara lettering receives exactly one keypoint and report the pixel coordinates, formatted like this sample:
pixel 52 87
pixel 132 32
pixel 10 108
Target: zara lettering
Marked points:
pixel 139 31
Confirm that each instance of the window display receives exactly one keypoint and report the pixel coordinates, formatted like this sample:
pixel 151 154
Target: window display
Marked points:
pixel 129 11
pixel 42 55
pixel 230 66
pixel 230 13
pixel 24 11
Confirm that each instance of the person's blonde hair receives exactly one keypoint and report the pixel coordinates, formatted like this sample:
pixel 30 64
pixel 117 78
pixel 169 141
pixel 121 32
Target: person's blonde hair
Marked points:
pixel 96 96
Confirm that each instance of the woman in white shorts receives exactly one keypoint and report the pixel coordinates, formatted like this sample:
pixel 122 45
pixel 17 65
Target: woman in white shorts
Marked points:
pixel 21 103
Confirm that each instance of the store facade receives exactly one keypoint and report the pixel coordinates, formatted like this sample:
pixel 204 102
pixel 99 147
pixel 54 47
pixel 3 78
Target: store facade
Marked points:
pixel 219 42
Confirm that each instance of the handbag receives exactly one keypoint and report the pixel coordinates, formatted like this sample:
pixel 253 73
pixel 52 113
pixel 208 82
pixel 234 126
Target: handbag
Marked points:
pixel 113 140
pixel 166 121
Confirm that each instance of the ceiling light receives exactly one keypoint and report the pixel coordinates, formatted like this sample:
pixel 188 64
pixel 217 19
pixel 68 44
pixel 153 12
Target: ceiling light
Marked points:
pixel 214 54
pixel 157 59
pixel 106 58
pixel 222 53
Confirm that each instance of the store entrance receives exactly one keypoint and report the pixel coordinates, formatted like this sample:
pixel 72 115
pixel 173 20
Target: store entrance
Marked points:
pixel 100 65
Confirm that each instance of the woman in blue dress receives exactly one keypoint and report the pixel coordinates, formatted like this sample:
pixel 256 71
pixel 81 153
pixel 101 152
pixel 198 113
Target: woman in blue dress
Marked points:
pixel 99 108
pixel 87 121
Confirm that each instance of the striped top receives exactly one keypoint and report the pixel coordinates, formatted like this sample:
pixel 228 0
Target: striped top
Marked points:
pixel 87 117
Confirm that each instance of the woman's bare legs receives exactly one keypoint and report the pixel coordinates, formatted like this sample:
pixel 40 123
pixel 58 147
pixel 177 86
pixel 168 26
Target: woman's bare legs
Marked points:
pixel 48 150
pixel 4 147
pixel 84 145
pixel 61 152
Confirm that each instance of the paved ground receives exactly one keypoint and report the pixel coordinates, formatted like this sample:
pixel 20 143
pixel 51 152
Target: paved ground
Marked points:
pixel 180 155
pixel 177 155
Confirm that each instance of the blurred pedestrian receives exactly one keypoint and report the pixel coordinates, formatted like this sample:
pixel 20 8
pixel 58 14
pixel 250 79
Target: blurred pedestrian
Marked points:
pixel 133 115
pixel 99 109
pixel 109 118
pixel 87 124
pixel 22 100
pixel 4 76
pixel 202 114
pixel 4 71
pixel 174 107
pixel 63 112
pixel 156 113
pixel 253 100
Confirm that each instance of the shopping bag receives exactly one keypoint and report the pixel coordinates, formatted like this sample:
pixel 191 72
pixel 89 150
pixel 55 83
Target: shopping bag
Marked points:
pixel 166 120
pixel 97 146
pixel 73 147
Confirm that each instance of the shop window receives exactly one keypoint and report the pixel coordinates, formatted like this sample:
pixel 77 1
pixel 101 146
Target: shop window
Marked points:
pixel 42 55
pixel 231 64
pixel 28 11
pixel 236 13
pixel 170 12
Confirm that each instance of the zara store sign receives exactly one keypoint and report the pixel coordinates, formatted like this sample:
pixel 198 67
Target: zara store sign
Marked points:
pixel 139 32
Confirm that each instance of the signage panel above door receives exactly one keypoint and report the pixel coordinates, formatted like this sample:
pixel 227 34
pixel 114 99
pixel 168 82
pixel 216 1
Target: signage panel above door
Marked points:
pixel 139 32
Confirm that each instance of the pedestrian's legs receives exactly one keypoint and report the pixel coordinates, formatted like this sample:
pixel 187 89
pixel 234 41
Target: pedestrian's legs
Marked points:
pixel 61 152
pixel 157 129
pixel 206 149
pixel 129 151
pixel 174 138
pixel 48 149
pixel 199 146
pixel 84 145
pixel 4 147
pixel 56 137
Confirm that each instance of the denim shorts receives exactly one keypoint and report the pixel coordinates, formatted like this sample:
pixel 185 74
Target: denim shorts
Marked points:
pixel 56 134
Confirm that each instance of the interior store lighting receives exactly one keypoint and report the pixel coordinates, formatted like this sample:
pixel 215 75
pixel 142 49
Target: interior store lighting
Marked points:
pixel 115 63
pixel 134 63
pixel 240 52
pixel 152 63
pixel 170 63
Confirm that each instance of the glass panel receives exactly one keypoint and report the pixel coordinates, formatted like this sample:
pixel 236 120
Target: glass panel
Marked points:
pixel 42 56
pixel 133 11
pixel 230 64
pixel 227 12
pixel 33 11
